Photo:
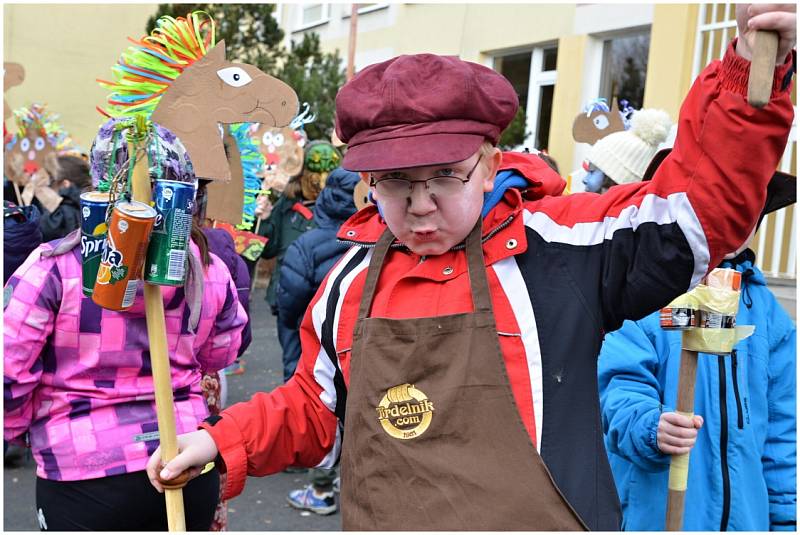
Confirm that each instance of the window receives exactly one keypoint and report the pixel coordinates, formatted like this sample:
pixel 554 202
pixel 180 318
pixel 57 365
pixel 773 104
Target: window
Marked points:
pixel 313 14
pixel 347 9
pixel 533 76
pixel 517 69
pixel 625 68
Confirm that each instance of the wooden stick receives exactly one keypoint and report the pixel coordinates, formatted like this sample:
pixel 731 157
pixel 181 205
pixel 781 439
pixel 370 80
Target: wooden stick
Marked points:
pixel 16 191
pixel 351 44
pixel 159 359
pixel 762 68
pixel 679 465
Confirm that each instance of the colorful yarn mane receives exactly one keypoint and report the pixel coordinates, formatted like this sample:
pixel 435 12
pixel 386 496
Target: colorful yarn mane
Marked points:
pixel 144 72
pixel 252 165
pixel 38 118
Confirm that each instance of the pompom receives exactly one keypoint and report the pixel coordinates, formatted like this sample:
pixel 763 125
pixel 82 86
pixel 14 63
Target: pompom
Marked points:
pixel 651 125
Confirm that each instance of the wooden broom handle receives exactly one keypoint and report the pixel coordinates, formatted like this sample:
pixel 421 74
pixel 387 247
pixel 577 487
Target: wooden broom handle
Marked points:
pixel 159 359
pixel 762 68
pixel 679 464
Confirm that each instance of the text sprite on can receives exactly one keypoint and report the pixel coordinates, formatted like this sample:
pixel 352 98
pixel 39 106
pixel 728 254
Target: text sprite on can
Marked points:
pixel 123 254
pixel 169 242
pixel 94 207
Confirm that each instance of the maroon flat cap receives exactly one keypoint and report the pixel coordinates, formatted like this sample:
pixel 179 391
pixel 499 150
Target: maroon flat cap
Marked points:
pixel 419 110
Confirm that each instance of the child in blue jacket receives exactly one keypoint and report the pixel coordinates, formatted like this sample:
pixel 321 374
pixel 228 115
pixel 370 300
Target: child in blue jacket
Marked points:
pixel 743 443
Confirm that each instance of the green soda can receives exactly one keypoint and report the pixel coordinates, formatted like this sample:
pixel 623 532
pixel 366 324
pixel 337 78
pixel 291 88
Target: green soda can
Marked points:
pixel 169 242
pixel 94 205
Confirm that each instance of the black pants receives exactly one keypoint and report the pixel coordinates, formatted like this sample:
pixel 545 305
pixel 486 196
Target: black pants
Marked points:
pixel 121 503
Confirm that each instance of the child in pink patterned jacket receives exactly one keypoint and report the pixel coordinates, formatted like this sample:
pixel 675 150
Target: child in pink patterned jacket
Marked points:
pixel 78 386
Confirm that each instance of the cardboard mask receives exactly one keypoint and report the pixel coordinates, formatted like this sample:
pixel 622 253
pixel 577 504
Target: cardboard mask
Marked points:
pixel 13 75
pixel 37 139
pixel 282 149
pixel 180 78
pixel 597 121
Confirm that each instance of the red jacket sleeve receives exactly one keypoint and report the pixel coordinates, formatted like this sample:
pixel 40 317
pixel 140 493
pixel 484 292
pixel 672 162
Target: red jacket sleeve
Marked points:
pixel 644 244
pixel 292 425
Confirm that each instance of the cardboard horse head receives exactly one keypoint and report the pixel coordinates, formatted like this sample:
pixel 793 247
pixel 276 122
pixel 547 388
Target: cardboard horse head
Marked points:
pixel 180 78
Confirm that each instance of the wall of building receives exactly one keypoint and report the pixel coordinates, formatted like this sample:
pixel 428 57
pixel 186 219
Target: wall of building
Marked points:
pixel 63 49
pixel 669 68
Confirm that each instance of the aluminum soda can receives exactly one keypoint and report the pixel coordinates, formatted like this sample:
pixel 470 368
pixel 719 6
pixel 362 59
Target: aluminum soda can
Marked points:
pixel 169 242
pixel 94 206
pixel 123 254
pixel 678 319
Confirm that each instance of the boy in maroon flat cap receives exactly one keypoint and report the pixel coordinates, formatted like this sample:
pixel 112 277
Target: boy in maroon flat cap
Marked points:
pixel 448 330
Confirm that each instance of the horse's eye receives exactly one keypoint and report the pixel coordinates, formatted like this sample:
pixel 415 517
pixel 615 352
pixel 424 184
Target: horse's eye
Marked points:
pixel 234 76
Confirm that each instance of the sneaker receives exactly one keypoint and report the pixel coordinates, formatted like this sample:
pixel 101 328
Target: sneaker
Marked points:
pixel 337 485
pixel 306 499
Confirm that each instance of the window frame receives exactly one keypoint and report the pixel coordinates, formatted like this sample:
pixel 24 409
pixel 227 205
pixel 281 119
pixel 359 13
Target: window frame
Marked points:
pixel 539 78
pixel 347 9
pixel 325 17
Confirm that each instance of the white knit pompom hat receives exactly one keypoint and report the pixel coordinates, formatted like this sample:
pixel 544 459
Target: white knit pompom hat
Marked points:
pixel 624 156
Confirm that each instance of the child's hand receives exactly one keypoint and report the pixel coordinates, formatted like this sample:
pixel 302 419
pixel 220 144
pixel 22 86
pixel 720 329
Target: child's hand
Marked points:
pixel 677 433
pixel 196 450
pixel 781 18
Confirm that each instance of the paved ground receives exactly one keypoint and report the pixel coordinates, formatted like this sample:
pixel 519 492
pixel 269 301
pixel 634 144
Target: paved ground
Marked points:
pixel 262 506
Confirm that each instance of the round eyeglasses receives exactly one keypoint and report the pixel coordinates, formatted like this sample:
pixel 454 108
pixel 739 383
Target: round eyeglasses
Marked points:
pixel 439 185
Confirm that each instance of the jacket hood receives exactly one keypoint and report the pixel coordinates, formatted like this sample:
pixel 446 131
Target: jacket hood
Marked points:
pixel 335 202
pixel 521 177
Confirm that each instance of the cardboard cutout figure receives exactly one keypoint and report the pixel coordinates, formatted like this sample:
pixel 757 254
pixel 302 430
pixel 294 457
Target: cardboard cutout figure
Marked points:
pixel 596 121
pixel 361 195
pixel 13 75
pixel 179 77
pixel 225 199
pixel 36 141
pixel 282 149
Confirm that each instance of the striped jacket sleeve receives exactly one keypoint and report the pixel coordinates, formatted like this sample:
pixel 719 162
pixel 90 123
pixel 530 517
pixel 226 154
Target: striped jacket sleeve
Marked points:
pixel 295 424
pixel 656 240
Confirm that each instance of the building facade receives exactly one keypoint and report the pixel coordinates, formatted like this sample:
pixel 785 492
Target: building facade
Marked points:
pixel 558 57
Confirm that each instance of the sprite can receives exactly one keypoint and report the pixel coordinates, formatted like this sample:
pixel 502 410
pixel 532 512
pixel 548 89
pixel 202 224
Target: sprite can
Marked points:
pixel 94 206
pixel 169 242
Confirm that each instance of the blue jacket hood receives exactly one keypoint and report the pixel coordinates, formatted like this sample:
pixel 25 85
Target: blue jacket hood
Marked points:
pixel 335 202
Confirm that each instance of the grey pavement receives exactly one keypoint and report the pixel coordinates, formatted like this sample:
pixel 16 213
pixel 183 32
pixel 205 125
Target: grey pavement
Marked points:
pixel 262 506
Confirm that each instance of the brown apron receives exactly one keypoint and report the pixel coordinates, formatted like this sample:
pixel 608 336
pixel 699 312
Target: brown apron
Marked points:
pixel 433 439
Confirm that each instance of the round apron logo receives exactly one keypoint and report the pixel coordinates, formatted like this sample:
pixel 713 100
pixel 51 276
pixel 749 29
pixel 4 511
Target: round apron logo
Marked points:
pixel 405 412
